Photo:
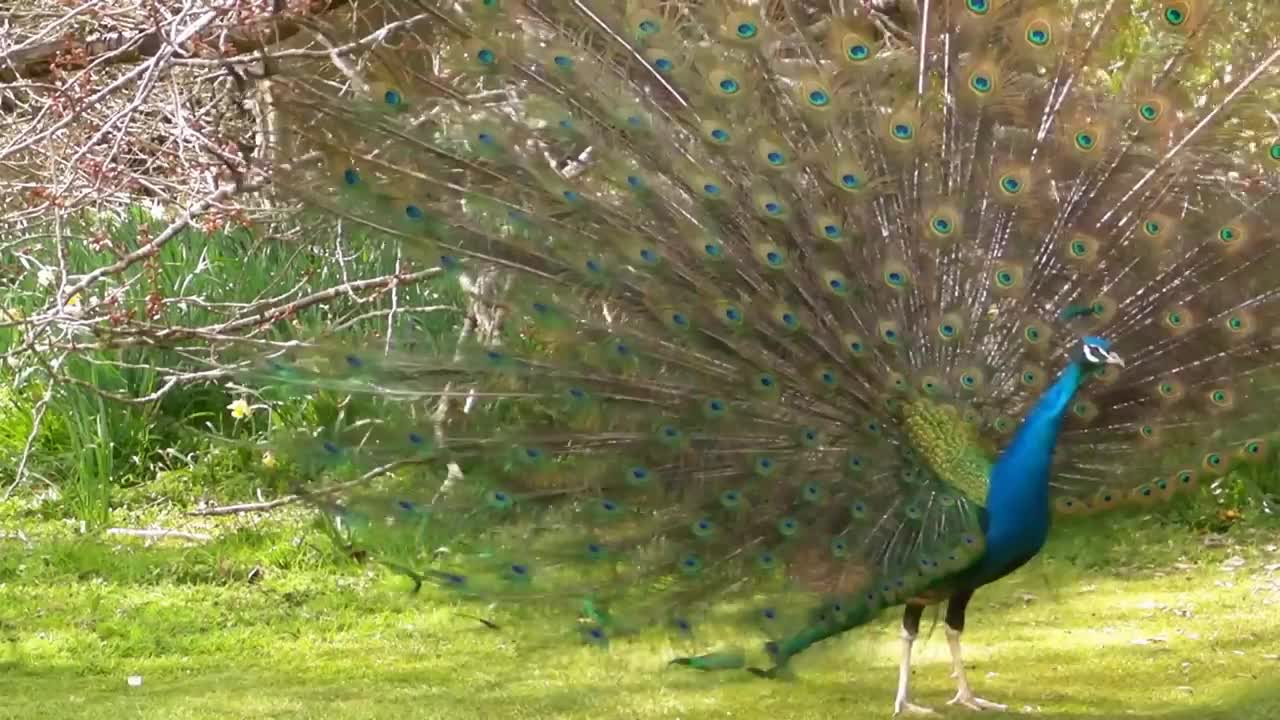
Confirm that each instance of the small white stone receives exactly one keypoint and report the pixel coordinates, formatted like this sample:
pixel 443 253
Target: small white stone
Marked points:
pixel 135 681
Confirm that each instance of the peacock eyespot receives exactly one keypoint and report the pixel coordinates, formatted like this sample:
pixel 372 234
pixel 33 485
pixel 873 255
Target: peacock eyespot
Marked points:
pixel 392 97
pixel 1079 248
pixel 859 52
pixel 1147 431
pixel 819 98
pixel 1175 16
pixel 1038 34
pixel 980 83
pixel 635 181
pixel 947 330
pixel 413 212
pixel 1004 278
pixel 571 195
pixel 1032 334
pixel 1220 397
pixel 663 65
pixel 849 181
pixel 648 27
pixel 836 284
pixel 856 347
pixel 563 61
pixel 978 7
pixel 1274 151
pixel 1167 389
pixel 1010 185
pixel 1029 377
pixel 1149 112
pixel 720 135
pixel 895 278
pixel 1152 228
pixel 1227 235
pixel 732 314
pixel 1085 141
pixel 773 257
pixel 1235 323
pixel 1081 409
pixel 968 380
pixel 772 208
pixel 729 86
pixel 831 231
pixel 711 189
pixel 775 158
pixel 351 177
pixel 1174 319
pixel 903 131
pixel 942 226
pixel 485 138
pixel 827 377
pixel 486 56
pixel 746 30
pixel 711 249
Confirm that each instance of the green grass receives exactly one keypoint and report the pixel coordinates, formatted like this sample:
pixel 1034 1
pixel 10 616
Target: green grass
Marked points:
pixel 1147 621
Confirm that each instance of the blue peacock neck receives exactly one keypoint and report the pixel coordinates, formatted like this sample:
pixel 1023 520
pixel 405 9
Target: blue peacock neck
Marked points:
pixel 1018 488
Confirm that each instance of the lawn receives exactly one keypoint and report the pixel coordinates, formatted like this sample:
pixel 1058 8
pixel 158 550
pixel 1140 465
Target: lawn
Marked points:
pixel 1144 620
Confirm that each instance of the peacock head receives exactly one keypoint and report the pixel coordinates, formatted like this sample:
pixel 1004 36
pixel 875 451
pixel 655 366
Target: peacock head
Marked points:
pixel 1096 352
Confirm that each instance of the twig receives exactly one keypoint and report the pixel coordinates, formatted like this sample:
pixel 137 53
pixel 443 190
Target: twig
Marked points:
pixel 161 533
pixel 36 419
pixel 246 507
pixel 293 498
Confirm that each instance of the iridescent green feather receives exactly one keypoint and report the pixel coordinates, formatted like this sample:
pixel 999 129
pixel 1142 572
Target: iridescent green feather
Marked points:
pixel 781 287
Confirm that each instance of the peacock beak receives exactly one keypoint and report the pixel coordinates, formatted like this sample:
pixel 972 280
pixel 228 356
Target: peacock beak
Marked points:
pixel 1114 359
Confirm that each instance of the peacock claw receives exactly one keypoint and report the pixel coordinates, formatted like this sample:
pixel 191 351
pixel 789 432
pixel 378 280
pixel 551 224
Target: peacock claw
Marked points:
pixel 966 698
pixel 902 705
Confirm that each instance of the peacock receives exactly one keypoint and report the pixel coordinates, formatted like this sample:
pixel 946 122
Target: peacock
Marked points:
pixel 808 309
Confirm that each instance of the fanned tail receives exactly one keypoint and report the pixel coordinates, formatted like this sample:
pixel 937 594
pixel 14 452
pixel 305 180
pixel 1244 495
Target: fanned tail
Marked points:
pixel 784 285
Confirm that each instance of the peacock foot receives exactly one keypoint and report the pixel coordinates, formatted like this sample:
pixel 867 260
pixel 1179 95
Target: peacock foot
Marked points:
pixel 965 698
pixel 903 706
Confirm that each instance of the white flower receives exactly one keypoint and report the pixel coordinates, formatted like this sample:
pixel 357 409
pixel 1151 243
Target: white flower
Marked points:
pixel 44 278
pixel 239 409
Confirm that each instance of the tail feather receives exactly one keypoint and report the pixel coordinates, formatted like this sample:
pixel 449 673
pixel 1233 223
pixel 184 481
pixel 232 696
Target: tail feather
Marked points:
pixel 784 283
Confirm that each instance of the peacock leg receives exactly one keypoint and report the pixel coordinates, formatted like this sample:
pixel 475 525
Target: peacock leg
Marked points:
pixel 910 628
pixel 955 625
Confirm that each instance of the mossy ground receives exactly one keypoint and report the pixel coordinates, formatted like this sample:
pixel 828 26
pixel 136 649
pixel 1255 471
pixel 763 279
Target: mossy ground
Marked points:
pixel 1145 621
